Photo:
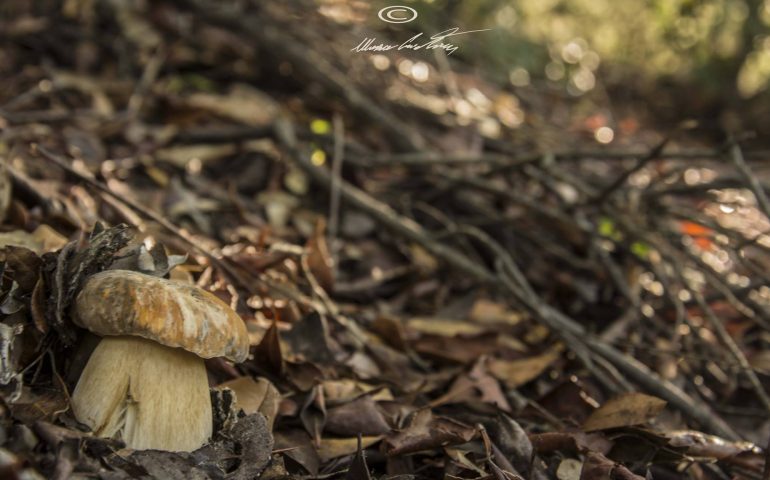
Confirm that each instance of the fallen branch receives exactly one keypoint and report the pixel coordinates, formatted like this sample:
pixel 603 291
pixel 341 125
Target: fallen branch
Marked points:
pixel 558 322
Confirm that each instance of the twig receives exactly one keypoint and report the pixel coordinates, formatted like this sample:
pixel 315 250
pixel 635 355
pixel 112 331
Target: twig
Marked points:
pixel 751 179
pixel 334 202
pixel 736 352
pixel 554 319
pixel 621 180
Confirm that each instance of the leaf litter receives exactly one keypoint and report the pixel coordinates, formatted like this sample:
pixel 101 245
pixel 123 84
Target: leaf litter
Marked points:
pixel 379 352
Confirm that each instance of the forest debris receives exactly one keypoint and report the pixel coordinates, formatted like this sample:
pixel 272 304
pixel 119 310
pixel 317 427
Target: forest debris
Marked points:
pixel 598 467
pixel 699 445
pixel 8 368
pixel 488 312
pixel 358 470
pixel 319 257
pixel 297 445
pixel 6 188
pixel 626 410
pixel 254 396
pixel 64 273
pixel 359 416
pixel 515 373
pixel 425 431
pixel 569 469
pixel 181 156
pixel 346 389
pixel 339 447
pixel 242 103
pixel 477 386
pixel 43 239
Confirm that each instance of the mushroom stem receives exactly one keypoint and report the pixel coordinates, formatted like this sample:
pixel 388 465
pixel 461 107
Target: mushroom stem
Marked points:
pixel 149 395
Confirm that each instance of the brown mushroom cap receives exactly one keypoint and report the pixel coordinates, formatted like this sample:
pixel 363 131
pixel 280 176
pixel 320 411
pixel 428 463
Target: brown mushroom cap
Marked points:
pixel 175 314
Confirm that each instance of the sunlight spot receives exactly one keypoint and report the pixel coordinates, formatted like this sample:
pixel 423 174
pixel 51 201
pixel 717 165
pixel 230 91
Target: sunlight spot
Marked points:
pixel 45 85
pixel 726 208
pixel 584 80
pixel 380 62
pixel 604 135
pixel 420 72
pixel 554 71
pixel 519 77
pixel 320 126
pixel 194 166
pixel 405 67
pixel 489 127
pixel 318 157
pixel 572 52
pixel 692 176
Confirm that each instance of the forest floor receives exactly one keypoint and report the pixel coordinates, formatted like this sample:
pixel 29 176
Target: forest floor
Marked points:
pixel 441 277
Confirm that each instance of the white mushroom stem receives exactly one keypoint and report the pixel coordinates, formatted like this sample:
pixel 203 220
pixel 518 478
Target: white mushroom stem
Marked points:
pixel 149 395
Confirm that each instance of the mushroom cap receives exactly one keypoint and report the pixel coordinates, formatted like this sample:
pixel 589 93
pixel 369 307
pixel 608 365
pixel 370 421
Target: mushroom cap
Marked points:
pixel 175 314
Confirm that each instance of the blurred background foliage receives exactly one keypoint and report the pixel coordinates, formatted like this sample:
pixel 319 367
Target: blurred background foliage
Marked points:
pixel 718 50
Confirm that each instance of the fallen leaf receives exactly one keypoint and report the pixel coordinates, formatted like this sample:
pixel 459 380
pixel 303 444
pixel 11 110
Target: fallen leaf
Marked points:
pixel 700 445
pixel 340 447
pixel 242 103
pixel 319 259
pixel 569 469
pixel 444 327
pixel 267 354
pixel 425 431
pixel 5 190
pixel 475 386
pixel 43 239
pixel 515 373
pixel 346 389
pixel 254 396
pixel 313 414
pixel 598 467
pixel 360 416
pixel 297 445
pixel 488 312
pixel 624 410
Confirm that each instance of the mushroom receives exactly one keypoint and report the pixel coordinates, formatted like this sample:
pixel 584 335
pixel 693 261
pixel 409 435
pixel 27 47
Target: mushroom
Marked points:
pixel 146 382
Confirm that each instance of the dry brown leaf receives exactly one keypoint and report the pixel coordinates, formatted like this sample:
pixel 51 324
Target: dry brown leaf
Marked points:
pixel 515 373
pixel 624 410
pixel 254 396
pixel 443 326
pixel 488 312
pixel 181 156
pixel 475 386
pixel 426 431
pixel 243 103
pixel 6 187
pixel 569 469
pixel 43 239
pixel 339 447
pixel 361 416
pixel 319 259
pixel 460 348
pixel 598 467
pixel 346 389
